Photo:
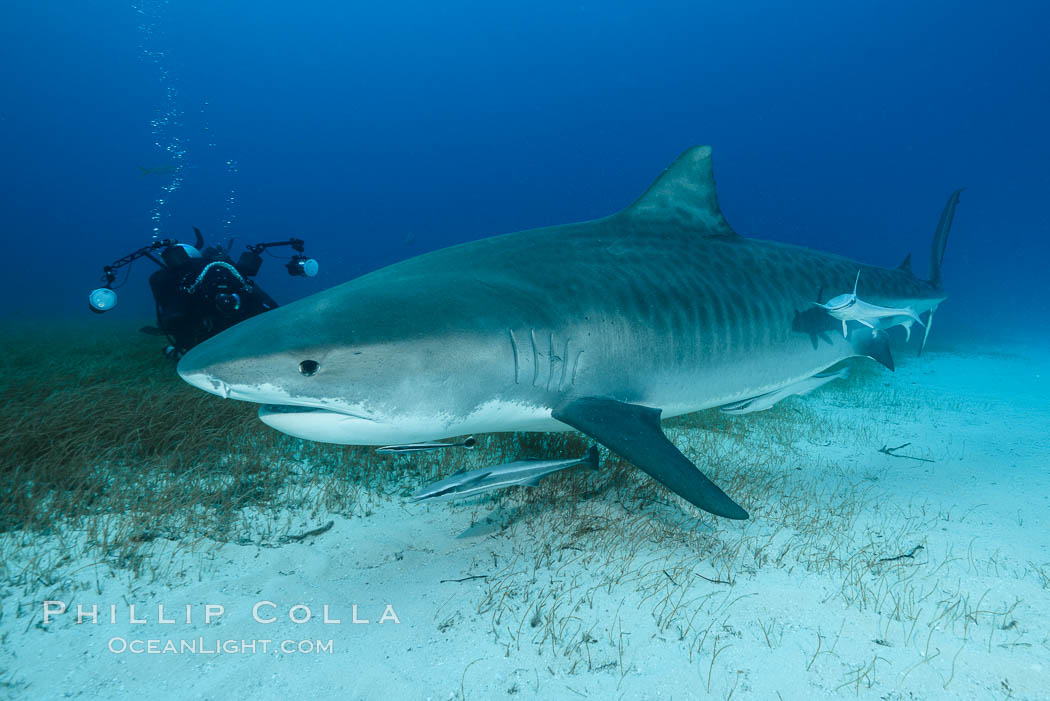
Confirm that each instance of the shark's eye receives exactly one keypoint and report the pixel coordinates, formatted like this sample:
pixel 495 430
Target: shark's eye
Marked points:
pixel 308 367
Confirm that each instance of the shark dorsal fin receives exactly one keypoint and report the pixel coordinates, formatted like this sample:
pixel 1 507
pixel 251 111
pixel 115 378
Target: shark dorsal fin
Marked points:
pixel 685 195
pixel 905 264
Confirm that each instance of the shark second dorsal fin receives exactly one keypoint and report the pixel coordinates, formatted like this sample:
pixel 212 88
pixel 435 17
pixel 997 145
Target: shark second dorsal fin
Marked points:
pixel 905 264
pixel 684 194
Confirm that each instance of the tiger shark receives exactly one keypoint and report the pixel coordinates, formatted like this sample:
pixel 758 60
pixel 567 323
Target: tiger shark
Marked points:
pixel 603 326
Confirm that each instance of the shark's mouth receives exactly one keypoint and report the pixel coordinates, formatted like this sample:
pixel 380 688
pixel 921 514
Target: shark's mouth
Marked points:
pixel 287 409
pixel 272 409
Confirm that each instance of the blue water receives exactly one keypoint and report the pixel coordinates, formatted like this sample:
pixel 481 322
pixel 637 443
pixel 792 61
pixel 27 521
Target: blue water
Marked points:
pixel 377 131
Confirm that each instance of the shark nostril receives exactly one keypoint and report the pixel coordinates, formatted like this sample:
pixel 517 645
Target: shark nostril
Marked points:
pixel 308 367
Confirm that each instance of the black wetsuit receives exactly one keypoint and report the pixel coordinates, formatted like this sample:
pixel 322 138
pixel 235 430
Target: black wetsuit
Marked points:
pixel 202 297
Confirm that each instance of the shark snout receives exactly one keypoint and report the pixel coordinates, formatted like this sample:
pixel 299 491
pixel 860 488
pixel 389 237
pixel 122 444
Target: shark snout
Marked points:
pixel 206 382
pixel 207 369
pixel 209 382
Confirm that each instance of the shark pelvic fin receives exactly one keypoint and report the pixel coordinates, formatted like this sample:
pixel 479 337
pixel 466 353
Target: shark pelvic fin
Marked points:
pixel 685 193
pixel 633 432
pixel 873 344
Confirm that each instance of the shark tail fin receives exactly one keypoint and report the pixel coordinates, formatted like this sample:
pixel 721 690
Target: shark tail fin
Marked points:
pixel 940 238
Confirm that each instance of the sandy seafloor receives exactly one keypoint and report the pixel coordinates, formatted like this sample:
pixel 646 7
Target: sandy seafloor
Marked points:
pixel 628 601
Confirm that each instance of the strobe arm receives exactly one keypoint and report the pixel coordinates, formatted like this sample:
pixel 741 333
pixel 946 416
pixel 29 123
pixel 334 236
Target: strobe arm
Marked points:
pixel 102 299
pixel 109 271
pixel 298 265
pixel 298 245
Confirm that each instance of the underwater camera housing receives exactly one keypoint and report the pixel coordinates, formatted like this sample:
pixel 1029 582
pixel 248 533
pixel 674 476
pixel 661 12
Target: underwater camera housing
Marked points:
pixel 199 293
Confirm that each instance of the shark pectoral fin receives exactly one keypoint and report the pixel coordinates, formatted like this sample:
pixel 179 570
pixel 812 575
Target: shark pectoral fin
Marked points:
pixel 873 344
pixel 633 432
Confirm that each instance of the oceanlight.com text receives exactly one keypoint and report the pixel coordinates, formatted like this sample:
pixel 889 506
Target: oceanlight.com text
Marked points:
pixel 216 646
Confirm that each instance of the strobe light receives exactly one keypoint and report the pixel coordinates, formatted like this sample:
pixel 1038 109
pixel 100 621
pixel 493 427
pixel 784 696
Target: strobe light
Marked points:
pixel 102 300
pixel 302 266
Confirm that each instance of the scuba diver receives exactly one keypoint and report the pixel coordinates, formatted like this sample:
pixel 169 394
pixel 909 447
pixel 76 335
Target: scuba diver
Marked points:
pixel 199 293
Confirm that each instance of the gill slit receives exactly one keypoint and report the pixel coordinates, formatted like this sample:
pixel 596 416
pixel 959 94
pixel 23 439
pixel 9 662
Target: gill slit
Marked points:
pixel 550 363
pixel 535 358
pixel 514 347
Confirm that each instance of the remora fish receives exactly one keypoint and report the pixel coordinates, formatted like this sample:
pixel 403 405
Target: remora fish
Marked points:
pixel 469 443
pixel 766 401
pixel 524 473
pixel 850 307
pixel 603 326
